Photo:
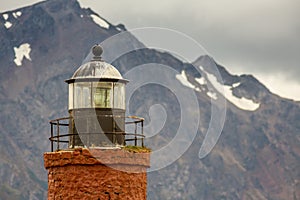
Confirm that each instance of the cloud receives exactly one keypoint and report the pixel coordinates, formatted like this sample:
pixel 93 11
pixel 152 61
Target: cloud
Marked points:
pixel 250 28
pixel 260 37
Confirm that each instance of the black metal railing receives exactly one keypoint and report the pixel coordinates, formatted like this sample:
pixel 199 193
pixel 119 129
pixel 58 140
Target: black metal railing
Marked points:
pixel 59 132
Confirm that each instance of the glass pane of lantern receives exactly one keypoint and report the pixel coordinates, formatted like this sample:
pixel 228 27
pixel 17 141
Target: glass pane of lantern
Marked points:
pixel 71 85
pixel 82 96
pixel 86 96
pixel 77 96
pixel 119 95
pixel 102 97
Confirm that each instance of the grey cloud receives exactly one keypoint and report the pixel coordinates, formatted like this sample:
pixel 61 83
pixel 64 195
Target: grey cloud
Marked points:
pixel 252 36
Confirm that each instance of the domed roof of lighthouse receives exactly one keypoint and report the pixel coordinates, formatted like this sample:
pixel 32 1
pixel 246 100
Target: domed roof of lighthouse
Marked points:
pixel 97 68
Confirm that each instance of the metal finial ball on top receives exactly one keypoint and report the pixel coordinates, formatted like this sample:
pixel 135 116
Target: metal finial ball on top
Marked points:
pixel 97 51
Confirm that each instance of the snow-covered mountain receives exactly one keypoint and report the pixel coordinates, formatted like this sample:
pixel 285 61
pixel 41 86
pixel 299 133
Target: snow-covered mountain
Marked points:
pixel 256 157
pixel 230 89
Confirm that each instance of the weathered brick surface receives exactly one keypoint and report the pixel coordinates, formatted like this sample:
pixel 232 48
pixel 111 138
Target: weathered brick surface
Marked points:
pixel 77 174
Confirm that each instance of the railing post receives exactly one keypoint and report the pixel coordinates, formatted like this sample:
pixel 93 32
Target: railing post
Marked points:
pixel 57 134
pixel 51 137
pixel 114 140
pixel 135 130
pixel 73 131
pixel 143 133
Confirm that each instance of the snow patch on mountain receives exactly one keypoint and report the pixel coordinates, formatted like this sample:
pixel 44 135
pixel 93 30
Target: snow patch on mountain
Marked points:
pixel 184 81
pixel 99 21
pixel 17 14
pixel 226 91
pixel 234 85
pixel 7 25
pixel 20 52
pixel 201 80
pixel 5 16
pixel 212 95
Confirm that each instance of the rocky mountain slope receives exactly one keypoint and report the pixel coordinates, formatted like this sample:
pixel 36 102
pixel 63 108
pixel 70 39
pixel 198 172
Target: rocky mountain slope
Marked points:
pixel 257 155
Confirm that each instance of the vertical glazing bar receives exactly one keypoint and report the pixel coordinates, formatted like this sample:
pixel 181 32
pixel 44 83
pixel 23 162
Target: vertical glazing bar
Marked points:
pixel 112 95
pixel 91 93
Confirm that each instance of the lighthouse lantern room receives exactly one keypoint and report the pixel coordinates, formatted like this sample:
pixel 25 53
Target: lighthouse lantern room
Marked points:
pixel 97 108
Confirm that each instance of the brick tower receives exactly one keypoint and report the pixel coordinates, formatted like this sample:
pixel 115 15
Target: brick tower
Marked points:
pixel 96 158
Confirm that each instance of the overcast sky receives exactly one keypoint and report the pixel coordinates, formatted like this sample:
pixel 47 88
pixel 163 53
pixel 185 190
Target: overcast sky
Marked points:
pixel 259 37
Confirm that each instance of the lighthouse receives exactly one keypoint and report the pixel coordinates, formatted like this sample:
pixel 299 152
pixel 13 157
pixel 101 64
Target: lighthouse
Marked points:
pixel 91 153
pixel 97 104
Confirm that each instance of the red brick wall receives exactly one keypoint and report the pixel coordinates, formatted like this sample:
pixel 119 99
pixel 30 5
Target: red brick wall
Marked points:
pixel 78 174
